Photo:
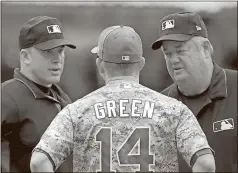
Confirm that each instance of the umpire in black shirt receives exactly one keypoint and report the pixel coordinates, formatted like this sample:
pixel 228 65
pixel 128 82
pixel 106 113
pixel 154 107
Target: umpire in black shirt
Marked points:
pixel 207 89
pixel 32 99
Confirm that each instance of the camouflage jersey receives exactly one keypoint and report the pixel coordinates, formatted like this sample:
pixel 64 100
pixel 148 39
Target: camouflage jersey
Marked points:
pixel 123 127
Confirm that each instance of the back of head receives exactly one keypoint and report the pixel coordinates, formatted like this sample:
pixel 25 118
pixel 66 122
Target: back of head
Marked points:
pixel 119 47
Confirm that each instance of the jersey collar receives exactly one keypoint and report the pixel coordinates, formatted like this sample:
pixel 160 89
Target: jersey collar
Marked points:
pixel 122 78
pixel 36 91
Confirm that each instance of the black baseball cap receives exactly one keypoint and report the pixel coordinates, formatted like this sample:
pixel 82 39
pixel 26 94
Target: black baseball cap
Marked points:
pixel 42 32
pixel 180 26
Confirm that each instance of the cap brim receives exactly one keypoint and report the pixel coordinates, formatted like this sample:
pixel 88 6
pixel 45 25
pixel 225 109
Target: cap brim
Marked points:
pixel 172 37
pixel 53 44
pixel 95 50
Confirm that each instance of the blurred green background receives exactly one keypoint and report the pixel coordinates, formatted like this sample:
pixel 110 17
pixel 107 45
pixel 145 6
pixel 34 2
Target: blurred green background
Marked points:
pixel 83 24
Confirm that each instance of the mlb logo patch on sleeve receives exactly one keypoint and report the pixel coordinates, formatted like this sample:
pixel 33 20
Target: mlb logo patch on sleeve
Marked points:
pixel 53 29
pixel 226 124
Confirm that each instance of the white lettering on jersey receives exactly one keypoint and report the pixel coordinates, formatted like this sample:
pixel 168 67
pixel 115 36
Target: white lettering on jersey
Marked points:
pixel 134 108
pixel 123 108
pixel 99 110
pixel 109 109
pixel 148 109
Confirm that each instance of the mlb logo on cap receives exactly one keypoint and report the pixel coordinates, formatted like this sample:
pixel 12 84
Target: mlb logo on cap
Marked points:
pixel 125 58
pixel 168 24
pixel 198 28
pixel 53 29
pixel 226 124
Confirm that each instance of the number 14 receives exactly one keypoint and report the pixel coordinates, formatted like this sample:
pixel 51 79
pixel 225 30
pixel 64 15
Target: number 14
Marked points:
pixel 144 158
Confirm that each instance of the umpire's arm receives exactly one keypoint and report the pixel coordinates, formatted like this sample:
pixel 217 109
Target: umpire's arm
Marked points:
pixel 9 120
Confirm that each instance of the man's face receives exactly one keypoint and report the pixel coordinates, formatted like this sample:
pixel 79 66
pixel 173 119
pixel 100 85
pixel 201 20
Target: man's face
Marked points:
pixel 47 66
pixel 186 61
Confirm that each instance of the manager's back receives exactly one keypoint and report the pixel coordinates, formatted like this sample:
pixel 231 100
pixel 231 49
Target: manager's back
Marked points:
pixel 126 127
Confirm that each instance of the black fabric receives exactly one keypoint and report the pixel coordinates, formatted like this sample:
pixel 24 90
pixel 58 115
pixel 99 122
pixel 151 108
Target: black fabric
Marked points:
pixel 26 113
pixel 218 104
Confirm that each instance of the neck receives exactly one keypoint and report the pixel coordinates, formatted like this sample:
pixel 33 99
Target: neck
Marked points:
pixel 30 77
pixel 196 87
pixel 192 90
pixel 130 78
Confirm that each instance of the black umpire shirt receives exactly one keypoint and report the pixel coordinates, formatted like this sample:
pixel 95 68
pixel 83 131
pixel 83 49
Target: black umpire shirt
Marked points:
pixel 216 111
pixel 27 110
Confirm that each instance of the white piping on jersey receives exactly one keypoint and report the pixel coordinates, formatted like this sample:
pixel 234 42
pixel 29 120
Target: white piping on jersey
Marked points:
pixel 27 86
pixel 225 81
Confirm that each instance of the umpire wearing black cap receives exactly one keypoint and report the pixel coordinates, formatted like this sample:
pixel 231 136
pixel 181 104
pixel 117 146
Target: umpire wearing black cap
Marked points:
pixel 207 89
pixel 32 99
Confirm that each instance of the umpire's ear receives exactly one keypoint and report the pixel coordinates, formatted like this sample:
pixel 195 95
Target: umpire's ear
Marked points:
pixel 24 56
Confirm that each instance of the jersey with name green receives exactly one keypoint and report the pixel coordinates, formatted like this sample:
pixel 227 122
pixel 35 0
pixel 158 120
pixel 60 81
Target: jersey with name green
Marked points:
pixel 123 127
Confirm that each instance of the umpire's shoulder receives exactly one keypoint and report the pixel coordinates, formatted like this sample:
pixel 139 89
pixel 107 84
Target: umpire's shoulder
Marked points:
pixel 163 100
pixel 167 90
pixel 231 84
pixel 9 84
pixel 231 75
pixel 13 87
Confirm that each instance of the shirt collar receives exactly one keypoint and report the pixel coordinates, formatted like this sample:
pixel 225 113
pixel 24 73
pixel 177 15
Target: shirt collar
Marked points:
pixel 36 91
pixel 218 87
